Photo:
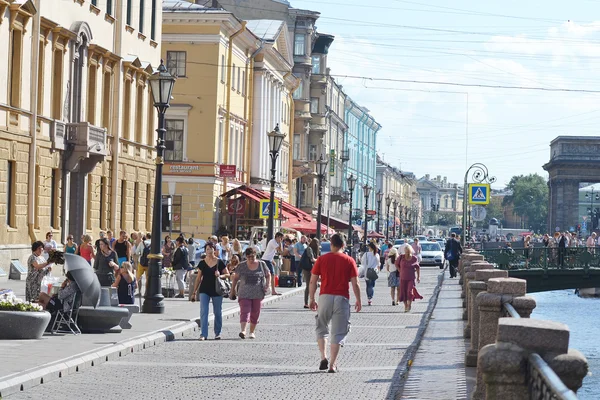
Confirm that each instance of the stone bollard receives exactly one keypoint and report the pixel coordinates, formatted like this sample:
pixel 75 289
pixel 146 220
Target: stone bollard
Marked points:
pixel 475 287
pixel 465 261
pixel 469 276
pixel 468 268
pixel 490 305
pixel 504 363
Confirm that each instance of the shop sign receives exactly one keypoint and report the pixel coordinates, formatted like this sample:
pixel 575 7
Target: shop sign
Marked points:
pixel 227 171
pixel 331 162
pixel 237 207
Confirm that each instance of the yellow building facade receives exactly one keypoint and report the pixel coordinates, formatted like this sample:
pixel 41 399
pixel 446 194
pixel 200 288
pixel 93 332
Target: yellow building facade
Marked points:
pixel 76 119
pixel 219 115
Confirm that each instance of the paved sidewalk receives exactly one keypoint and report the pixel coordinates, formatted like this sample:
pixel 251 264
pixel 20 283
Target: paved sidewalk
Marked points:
pixel 438 370
pixel 26 362
pixel 281 363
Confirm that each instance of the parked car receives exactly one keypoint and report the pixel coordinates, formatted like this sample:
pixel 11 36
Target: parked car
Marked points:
pixel 432 254
pixel 422 238
pixel 399 242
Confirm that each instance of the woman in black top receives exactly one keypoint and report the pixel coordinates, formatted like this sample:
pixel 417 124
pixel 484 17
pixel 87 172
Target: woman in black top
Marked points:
pixel 106 264
pixel 209 270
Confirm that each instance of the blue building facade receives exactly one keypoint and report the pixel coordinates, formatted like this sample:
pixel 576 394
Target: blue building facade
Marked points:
pixel 361 142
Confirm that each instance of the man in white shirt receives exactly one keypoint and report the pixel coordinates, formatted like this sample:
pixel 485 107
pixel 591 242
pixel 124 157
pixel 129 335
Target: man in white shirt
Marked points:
pixel 273 247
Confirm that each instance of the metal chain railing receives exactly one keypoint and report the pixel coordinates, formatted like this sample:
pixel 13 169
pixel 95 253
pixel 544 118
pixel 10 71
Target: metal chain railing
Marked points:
pixel 543 382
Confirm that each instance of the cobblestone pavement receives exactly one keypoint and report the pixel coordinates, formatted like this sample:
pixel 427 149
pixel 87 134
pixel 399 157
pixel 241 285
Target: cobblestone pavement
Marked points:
pixel 281 363
pixel 438 370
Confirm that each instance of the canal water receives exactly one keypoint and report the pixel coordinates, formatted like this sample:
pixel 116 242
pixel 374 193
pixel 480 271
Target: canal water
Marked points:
pixel 582 317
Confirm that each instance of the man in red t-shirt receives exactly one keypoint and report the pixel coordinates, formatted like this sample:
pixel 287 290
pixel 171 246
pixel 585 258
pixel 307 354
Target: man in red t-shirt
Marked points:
pixel 336 270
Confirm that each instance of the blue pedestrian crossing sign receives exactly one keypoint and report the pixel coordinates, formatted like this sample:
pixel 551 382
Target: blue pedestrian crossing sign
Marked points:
pixel 265 208
pixel 479 193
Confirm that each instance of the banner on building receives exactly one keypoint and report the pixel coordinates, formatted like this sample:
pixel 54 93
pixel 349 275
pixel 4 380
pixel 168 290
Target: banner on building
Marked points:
pixel 236 206
pixel 331 162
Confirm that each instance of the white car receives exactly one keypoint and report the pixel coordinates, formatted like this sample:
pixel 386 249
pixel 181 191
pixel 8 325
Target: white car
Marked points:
pixel 432 254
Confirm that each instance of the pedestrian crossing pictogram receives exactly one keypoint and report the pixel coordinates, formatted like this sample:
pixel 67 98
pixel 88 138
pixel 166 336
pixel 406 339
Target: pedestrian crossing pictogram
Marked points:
pixel 479 193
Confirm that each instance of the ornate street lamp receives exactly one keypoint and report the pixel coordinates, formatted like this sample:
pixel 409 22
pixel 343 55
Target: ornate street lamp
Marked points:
pixel 367 192
pixel 161 85
pixel 388 203
pixel 480 175
pixel 379 199
pixel 321 171
pixel 395 205
pixel 351 185
pixel 275 141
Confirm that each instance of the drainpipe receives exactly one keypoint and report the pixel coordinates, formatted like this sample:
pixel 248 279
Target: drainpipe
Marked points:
pixel 250 119
pixel 228 105
pixel 291 119
pixel 116 121
pixel 33 124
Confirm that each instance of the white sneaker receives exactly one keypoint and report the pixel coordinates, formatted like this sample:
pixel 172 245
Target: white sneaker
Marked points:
pixel 252 336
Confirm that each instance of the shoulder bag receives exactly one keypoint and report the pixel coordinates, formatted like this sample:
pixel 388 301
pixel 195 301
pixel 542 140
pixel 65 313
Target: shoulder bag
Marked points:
pixel 222 286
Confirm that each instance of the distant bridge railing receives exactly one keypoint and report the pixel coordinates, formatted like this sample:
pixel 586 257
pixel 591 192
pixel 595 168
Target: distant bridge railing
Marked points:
pixel 542 381
pixel 544 258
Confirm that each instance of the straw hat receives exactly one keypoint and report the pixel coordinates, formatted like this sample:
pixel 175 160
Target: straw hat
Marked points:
pixel 393 252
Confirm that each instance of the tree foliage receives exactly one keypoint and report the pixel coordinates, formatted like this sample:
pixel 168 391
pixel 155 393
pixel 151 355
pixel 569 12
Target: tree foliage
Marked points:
pixel 494 210
pixel 529 199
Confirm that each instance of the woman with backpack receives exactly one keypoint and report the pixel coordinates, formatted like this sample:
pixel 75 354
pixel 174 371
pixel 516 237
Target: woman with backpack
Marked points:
pixel 308 259
pixel 370 265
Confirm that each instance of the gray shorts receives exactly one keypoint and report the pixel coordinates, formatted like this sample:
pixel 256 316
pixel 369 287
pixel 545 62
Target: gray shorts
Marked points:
pixel 334 309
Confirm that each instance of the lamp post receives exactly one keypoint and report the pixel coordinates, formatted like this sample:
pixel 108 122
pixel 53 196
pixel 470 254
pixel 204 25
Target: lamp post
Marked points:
pixel 275 140
pixel 379 199
pixel 367 193
pixel 480 175
pixel 395 205
pixel 591 211
pixel 161 84
pixel 321 170
pixel 388 203
pixel 351 185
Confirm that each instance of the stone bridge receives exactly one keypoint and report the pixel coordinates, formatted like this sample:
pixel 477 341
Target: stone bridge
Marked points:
pixel 517 357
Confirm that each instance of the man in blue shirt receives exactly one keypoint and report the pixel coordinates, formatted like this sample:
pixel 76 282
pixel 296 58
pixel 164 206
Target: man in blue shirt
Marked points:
pixel 299 248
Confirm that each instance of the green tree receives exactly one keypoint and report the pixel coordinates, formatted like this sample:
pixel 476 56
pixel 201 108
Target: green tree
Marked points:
pixel 529 199
pixel 494 210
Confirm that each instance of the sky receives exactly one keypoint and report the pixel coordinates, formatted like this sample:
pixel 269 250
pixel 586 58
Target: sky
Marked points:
pixel 382 46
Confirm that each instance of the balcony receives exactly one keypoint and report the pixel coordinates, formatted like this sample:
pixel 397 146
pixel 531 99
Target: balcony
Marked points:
pixel 345 156
pixel 338 194
pixel 57 134
pixel 318 128
pixel 87 138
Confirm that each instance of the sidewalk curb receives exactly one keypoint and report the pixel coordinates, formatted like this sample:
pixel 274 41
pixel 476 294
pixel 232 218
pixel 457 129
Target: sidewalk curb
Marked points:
pixel 24 380
pixel 411 351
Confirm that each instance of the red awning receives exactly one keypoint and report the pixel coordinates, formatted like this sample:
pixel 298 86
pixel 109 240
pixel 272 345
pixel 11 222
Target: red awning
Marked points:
pixel 374 234
pixel 249 195
pixel 334 222
pixel 306 227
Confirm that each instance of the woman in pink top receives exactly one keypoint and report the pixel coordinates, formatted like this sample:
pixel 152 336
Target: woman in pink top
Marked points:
pixel 408 266
pixel 86 250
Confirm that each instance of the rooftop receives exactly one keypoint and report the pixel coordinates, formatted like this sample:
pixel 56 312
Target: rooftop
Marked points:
pixel 266 29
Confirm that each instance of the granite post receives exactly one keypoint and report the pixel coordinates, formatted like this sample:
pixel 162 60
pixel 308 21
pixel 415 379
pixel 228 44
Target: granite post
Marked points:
pixel 477 286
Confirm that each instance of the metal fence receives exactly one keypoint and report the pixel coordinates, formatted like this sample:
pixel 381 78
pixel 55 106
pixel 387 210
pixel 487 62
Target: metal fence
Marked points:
pixel 544 258
pixel 543 382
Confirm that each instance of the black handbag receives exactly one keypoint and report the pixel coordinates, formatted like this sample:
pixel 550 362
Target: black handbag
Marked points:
pixel 222 287
pixel 305 262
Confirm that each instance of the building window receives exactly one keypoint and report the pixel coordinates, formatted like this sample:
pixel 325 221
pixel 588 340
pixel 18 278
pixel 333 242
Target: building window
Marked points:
pixel 298 92
pixel 40 100
pixel 123 204
pixel 233 78
pixel 54 200
pixel 128 21
pixel 316 64
pixel 239 78
pixel 312 152
pixel 296 152
pixel 314 105
pixel 91 106
pixel 109 7
pixel 176 63
pixel 127 111
pixel 299 45
pixel 139 136
pixel 174 140
pixel 141 25
pixel 153 21
pixel 149 205
pixel 106 103
pixel 223 69
pixel 15 68
pixel 11 172
pixel 136 205
pixel 221 140
pixel 171 213
pixel 150 119
pixel 95 2
pixel 244 81
pixel 103 200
